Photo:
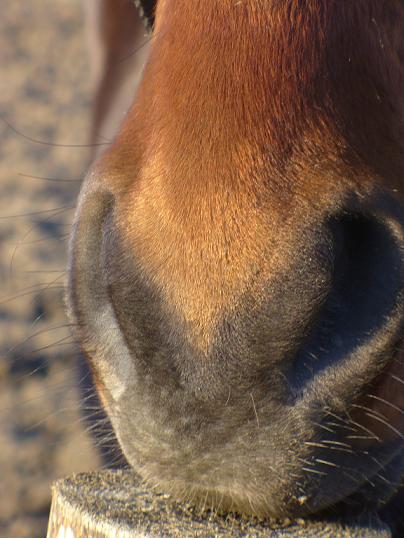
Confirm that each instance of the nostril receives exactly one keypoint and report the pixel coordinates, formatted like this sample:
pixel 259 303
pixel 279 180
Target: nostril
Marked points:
pixel 368 273
pixel 362 316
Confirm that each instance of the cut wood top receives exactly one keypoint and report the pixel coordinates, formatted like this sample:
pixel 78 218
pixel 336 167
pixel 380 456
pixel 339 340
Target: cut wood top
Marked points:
pixel 114 504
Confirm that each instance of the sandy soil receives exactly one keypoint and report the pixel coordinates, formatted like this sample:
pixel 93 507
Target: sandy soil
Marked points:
pixel 45 97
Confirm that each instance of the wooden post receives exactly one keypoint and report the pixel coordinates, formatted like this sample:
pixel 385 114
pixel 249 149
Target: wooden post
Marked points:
pixel 112 504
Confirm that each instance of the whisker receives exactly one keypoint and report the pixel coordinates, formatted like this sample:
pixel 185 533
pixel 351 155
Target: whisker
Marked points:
pixel 53 179
pixel 35 213
pixel 396 378
pixel 35 322
pixel 255 410
pixel 56 387
pixel 60 237
pixel 45 143
pixel 37 289
pixel 372 435
pixel 319 425
pixel 314 471
pixel 325 462
pixel 137 49
pixel 386 402
pixel 337 443
pixel 38 333
pixel 44 271
pixel 26 234
pixel 327 447
pixel 390 426
pixel 55 344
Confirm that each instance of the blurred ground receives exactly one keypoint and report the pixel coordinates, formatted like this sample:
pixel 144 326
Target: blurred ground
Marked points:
pixel 45 95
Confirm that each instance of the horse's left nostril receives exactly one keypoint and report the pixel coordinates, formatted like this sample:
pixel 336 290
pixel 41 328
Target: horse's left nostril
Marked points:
pixel 361 322
pixel 368 275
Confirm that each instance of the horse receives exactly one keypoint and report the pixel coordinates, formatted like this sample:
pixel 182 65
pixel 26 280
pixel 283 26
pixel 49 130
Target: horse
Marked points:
pixel 236 265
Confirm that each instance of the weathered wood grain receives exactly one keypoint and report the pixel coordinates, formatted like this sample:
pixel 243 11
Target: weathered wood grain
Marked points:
pixel 113 504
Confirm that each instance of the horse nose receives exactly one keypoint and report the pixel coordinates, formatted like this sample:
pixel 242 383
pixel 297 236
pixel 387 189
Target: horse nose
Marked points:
pixel 303 339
